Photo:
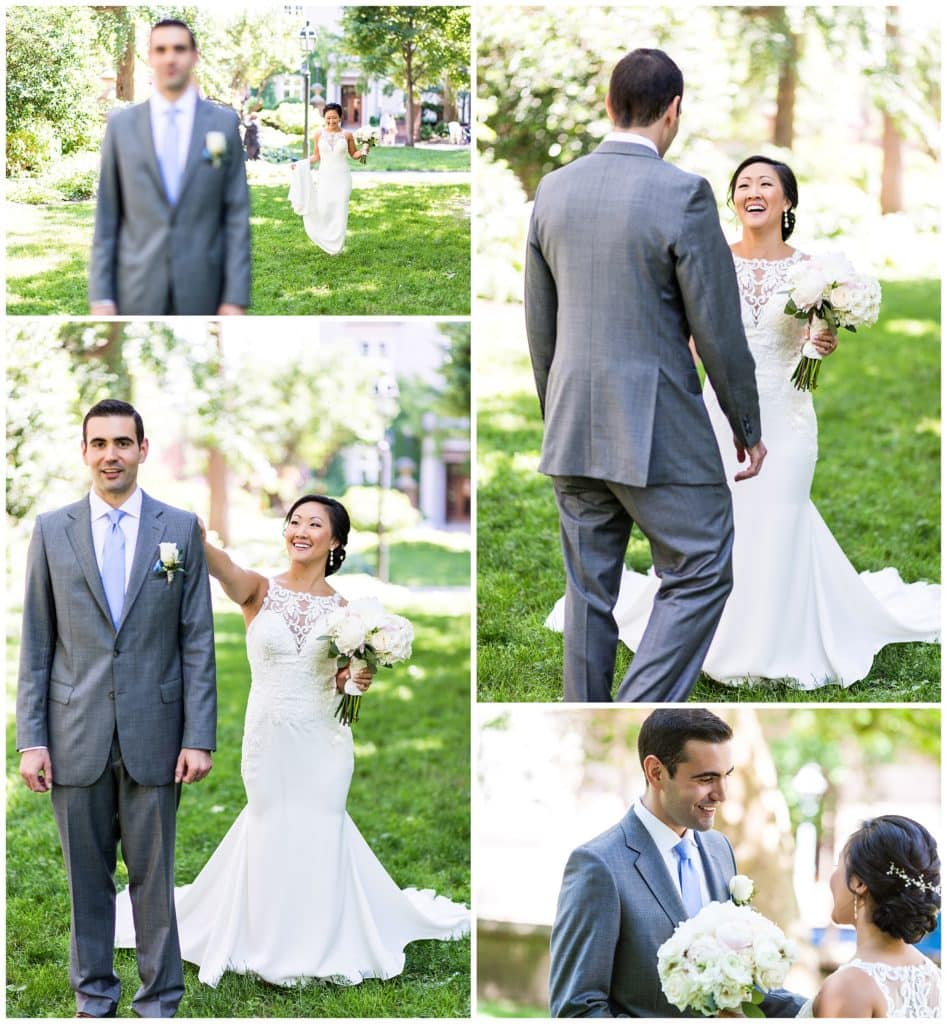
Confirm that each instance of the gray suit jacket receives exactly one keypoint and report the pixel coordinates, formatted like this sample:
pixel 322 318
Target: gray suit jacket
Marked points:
pixel 617 905
pixel 153 679
pixel 145 250
pixel 625 261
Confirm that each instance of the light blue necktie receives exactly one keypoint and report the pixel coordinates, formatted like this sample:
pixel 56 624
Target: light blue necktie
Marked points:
pixel 113 566
pixel 687 876
pixel 170 163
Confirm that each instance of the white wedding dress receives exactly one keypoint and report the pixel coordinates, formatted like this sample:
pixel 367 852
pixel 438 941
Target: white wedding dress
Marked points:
pixel 293 890
pixel 324 204
pixel 798 611
pixel 910 992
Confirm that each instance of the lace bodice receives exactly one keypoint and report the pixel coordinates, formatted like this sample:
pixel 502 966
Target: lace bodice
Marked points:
pixel 333 151
pixel 911 991
pixel 775 339
pixel 293 676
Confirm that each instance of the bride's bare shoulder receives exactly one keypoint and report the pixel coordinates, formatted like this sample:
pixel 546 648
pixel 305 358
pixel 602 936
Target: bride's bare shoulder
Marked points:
pixel 849 992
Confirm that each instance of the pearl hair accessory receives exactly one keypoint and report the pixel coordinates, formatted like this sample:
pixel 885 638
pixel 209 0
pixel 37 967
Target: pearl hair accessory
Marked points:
pixel 917 882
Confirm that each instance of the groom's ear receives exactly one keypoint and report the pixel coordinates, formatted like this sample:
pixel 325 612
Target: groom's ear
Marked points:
pixel 654 770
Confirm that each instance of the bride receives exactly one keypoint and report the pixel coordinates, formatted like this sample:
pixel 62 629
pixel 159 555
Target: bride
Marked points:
pixel 888 886
pixel 798 611
pixel 293 890
pixel 324 206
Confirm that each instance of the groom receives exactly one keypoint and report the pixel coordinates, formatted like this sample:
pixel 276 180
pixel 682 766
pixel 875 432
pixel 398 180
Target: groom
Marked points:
pixel 117 704
pixel 172 223
pixel 625 262
pixel 624 892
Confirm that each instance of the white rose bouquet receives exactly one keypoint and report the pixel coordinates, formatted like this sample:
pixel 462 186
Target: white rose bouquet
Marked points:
pixel 827 287
pixel 366 138
pixel 724 958
pixel 363 633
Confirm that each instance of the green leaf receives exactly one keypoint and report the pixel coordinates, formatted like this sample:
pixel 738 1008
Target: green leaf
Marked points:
pixel 751 1010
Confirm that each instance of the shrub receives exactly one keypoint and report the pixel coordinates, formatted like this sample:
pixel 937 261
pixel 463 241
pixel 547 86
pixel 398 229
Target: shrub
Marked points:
pixel 32 148
pixel 81 185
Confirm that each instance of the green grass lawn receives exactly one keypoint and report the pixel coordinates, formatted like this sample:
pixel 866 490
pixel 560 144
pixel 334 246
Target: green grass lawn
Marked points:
pixel 877 485
pixel 401 158
pixel 407 253
pixel 409 798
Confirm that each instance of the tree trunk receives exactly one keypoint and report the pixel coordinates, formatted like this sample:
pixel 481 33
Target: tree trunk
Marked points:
pixel 892 198
pixel 217 479
pixel 784 121
pixel 410 127
pixel 125 69
pixel 217 476
pixel 450 101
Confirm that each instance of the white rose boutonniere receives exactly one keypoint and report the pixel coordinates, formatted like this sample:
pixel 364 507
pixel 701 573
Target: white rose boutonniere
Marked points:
pixel 215 147
pixel 169 561
pixel 741 889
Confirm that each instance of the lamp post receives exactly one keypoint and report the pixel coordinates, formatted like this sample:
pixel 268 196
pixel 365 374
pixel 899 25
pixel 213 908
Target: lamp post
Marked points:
pixel 307 42
pixel 386 403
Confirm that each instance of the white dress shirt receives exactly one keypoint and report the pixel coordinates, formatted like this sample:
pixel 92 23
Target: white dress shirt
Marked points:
pixel 666 839
pixel 128 524
pixel 617 135
pixel 186 105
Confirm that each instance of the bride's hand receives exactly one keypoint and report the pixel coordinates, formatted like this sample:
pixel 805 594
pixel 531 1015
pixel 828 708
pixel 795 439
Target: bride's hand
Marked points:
pixel 362 678
pixel 202 526
pixel 823 340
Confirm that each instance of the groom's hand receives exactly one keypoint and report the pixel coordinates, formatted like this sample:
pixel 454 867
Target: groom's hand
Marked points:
pixel 757 453
pixel 103 309
pixel 229 309
pixel 37 769
pixel 193 765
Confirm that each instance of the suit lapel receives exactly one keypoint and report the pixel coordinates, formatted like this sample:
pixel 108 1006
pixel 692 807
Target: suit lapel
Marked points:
pixel 79 532
pixel 150 532
pixel 717 869
pixel 202 125
pixel 146 140
pixel 651 868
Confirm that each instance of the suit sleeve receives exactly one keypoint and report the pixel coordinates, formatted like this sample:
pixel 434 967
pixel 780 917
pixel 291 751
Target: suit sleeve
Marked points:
pixel 198 665
pixel 37 645
pixel 102 283
pixel 584 937
pixel 541 305
pixel 711 297
pixel 236 225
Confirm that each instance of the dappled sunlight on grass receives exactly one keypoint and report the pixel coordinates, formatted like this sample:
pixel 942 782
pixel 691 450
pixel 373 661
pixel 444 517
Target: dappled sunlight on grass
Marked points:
pixel 407 253
pixel 927 425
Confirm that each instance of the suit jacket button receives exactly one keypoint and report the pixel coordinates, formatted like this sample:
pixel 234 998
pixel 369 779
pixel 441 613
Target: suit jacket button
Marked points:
pixel 111 695
pixel 116 652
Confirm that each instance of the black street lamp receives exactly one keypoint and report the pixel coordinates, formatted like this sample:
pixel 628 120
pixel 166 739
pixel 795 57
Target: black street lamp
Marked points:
pixel 307 43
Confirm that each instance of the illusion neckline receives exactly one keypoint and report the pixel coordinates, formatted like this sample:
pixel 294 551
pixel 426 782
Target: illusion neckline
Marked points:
pixel 301 593
pixel 762 261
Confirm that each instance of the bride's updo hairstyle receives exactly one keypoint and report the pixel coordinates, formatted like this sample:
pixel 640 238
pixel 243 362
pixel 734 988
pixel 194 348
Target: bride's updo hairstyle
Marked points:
pixel 341 524
pixel 897 860
pixel 337 107
pixel 788 181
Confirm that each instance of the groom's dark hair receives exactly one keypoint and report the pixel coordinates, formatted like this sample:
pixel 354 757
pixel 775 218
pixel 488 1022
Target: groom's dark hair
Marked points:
pixel 115 407
pixel 175 23
pixel 642 85
pixel 665 732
